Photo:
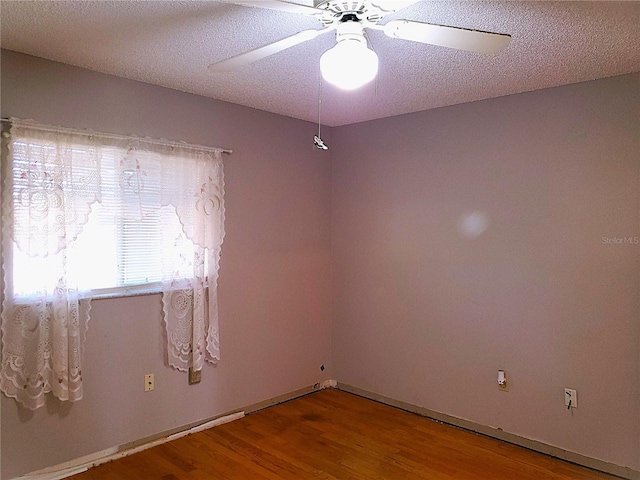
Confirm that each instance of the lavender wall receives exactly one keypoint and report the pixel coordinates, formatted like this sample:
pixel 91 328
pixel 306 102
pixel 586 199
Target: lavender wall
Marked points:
pixel 426 312
pixel 274 289
pixel 422 311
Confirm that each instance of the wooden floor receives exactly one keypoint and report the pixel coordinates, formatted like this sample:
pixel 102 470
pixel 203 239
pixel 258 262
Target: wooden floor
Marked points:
pixel 336 435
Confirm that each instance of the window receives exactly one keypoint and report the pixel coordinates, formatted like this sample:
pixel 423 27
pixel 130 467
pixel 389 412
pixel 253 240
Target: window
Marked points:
pixel 127 230
pixel 86 214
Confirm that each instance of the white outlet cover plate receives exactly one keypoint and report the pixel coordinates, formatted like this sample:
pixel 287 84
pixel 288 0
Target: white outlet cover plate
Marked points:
pixel 571 394
pixel 149 383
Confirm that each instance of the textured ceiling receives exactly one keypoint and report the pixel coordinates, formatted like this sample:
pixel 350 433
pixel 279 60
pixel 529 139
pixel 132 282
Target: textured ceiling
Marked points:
pixel 171 43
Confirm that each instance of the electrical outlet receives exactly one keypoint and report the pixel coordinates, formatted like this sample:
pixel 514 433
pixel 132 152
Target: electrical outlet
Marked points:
pixel 503 385
pixel 570 398
pixel 194 376
pixel 149 383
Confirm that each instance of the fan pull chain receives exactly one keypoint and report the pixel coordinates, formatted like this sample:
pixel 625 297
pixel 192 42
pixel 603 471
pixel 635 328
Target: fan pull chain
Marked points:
pixel 317 141
pixel 319 102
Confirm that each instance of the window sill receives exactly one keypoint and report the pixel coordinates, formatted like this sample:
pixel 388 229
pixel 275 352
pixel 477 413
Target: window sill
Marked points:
pixel 130 291
pixel 116 292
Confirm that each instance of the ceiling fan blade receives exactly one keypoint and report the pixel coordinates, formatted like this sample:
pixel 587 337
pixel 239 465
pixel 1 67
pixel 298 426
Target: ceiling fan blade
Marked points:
pixel 277 5
pixel 452 37
pixel 262 52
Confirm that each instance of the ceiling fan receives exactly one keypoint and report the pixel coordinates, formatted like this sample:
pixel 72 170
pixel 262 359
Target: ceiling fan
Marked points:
pixel 350 63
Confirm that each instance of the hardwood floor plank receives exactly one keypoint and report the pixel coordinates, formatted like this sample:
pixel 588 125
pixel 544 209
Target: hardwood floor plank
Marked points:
pixel 334 435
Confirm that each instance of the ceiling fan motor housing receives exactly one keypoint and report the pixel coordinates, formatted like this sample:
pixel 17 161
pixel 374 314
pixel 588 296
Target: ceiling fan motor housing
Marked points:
pixel 351 10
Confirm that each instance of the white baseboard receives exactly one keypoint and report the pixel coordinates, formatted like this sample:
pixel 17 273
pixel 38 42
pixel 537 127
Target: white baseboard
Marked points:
pixel 82 464
pixel 583 460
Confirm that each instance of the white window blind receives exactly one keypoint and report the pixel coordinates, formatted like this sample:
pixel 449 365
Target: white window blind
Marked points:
pixel 120 247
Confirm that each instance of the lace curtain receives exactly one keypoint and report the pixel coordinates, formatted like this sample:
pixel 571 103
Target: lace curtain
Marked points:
pixel 55 181
pixel 190 303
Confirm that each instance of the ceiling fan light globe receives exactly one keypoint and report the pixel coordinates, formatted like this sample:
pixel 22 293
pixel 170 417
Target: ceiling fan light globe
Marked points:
pixel 349 65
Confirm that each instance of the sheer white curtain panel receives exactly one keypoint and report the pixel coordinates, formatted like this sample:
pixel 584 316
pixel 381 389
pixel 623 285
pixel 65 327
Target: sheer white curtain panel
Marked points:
pixel 51 181
pixel 196 188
